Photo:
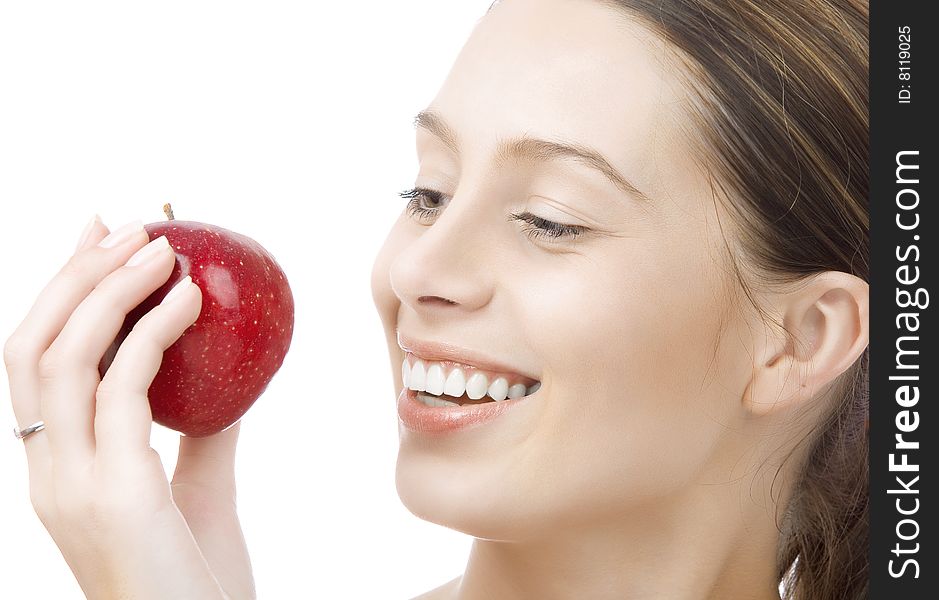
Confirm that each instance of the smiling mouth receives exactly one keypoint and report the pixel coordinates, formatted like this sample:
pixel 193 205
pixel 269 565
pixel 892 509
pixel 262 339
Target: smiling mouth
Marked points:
pixel 444 383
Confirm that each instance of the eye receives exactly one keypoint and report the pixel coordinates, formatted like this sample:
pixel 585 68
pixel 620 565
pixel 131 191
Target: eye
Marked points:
pixel 536 227
pixel 424 203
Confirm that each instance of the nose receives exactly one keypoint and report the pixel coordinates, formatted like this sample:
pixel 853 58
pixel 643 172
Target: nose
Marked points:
pixel 448 266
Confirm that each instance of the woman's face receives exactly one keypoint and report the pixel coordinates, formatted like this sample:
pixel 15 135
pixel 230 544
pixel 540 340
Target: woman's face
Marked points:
pixel 619 322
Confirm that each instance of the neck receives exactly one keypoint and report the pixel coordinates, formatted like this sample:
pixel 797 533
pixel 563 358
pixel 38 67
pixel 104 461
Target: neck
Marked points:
pixel 713 544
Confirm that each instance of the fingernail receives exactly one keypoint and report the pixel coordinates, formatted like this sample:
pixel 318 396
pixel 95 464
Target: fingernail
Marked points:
pixel 86 233
pixel 178 289
pixel 148 252
pixel 120 235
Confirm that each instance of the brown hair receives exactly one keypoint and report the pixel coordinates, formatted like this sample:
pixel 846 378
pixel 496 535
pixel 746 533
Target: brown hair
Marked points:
pixel 781 96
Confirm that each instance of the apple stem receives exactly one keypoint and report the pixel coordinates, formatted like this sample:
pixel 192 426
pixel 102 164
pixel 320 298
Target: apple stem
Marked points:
pixel 168 210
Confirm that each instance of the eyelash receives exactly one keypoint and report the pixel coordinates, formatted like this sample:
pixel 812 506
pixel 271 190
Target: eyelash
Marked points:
pixel 537 227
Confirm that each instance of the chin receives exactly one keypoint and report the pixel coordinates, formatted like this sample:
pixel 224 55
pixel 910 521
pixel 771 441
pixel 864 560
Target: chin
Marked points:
pixel 471 498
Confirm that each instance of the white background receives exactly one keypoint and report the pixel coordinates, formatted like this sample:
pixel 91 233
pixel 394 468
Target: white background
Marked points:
pixel 290 122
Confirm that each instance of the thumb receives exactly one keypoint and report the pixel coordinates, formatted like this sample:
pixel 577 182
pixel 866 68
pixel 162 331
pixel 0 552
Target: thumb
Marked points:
pixel 204 491
pixel 208 461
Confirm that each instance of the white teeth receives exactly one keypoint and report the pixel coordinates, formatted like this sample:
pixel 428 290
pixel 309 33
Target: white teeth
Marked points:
pixel 517 390
pixel 435 402
pixel 499 389
pixel 456 383
pixel 435 380
pixel 429 377
pixel 417 377
pixel 476 386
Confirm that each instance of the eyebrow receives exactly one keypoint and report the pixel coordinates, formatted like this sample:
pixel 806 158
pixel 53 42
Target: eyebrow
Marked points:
pixel 534 149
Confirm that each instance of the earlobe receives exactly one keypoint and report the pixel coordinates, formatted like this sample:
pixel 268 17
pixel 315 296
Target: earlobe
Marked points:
pixel 825 330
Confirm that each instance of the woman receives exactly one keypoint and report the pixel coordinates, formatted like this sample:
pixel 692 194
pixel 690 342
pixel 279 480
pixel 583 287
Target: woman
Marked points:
pixel 626 308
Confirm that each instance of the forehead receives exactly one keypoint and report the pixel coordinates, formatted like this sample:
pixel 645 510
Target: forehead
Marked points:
pixel 574 69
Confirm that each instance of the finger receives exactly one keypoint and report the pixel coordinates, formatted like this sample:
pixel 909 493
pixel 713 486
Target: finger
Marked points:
pixel 87 238
pixel 71 285
pixel 33 336
pixel 55 304
pixel 122 415
pixel 204 491
pixel 208 461
pixel 69 369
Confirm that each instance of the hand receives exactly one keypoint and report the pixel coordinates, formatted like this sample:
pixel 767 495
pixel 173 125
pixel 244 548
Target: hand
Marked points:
pixel 95 482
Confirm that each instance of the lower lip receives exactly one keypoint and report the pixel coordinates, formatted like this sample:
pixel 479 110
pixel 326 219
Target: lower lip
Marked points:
pixel 419 417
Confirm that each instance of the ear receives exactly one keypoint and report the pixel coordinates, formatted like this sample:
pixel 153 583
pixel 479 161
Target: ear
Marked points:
pixel 825 330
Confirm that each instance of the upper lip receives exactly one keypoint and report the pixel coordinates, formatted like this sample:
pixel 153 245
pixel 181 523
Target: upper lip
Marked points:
pixel 429 350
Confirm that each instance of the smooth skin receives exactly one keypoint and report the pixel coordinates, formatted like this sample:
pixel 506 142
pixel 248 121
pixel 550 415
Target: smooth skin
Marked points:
pixel 663 444
pixel 654 458
pixel 95 482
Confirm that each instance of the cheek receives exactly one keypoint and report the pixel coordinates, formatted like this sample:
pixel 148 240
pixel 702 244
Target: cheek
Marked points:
pixel 625 315
pixel 628 345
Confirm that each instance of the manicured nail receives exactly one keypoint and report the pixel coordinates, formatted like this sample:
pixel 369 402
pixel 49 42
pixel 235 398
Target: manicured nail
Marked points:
pixel 148 252
pixel 178 289
pixel 86 233
pixel 120 235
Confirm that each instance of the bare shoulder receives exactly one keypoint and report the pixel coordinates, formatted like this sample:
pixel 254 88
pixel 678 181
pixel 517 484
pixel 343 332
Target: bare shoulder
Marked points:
pixel 445 592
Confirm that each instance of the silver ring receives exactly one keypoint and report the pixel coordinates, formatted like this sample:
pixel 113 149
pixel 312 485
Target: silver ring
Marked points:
pixel 22 433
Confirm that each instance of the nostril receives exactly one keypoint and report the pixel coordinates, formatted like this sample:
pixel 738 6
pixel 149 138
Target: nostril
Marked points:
pixel 434 300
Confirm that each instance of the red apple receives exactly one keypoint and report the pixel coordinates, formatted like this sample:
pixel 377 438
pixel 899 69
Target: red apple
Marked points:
pixel 222 363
